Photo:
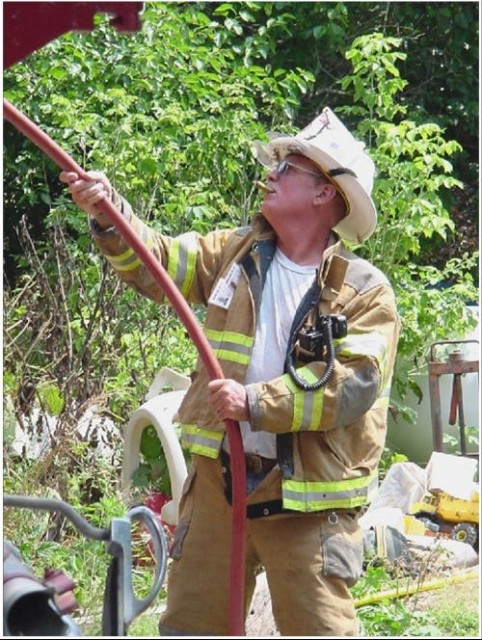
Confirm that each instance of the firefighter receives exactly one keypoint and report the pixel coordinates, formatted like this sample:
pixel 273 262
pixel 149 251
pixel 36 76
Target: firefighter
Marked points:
pixel 306 333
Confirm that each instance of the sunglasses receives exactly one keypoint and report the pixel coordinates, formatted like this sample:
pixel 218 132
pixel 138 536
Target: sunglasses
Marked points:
pixel 283 167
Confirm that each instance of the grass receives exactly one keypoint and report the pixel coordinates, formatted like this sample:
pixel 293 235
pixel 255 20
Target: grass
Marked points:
pixel 454 611
pixel 445 600
pixel 450 614
pixel 146 625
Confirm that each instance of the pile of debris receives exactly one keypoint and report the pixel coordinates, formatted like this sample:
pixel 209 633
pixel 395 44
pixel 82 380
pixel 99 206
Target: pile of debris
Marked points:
pixel 423 523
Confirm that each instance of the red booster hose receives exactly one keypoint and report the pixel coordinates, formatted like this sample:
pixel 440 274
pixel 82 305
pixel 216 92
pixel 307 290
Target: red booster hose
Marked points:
pixel 153 265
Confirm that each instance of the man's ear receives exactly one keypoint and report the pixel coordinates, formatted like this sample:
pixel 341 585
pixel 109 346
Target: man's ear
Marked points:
pixel 324 193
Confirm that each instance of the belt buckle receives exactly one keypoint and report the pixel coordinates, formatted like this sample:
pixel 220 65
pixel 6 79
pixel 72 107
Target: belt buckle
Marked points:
pixel 254 463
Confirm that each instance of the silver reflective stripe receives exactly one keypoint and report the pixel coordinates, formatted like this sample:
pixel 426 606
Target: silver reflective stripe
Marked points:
pixel 182 261
pixel 202 441
pixel 307 405
pixel 228 345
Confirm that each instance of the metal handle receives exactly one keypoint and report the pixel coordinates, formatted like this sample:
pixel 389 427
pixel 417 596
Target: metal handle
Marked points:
pixel 122 607
pixel 135 606
pixel 441 343
pixel 53 504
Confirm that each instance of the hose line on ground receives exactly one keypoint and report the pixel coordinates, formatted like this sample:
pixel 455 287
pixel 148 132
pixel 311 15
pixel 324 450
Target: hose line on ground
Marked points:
pixel 418 587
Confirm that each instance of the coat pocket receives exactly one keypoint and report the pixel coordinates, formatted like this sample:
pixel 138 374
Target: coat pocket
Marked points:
pixel 341 546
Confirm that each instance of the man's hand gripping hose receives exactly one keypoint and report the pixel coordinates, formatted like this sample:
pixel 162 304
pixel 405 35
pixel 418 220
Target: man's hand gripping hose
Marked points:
pixel 63 160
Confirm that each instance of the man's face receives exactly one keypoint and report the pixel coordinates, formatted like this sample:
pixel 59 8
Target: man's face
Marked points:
pixel 292 187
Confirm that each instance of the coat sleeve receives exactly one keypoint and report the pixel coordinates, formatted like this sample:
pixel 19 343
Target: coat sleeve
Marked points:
pixel 360 381
pixel 191 260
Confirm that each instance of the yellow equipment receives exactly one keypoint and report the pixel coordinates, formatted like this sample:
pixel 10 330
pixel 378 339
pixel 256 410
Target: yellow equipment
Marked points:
pixel 458 517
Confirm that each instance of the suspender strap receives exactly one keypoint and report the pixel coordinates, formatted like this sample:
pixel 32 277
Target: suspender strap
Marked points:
pixel 266 251
pixel 247 263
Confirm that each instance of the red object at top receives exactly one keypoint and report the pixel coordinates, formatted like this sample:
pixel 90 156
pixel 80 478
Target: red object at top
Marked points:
pixel 28 26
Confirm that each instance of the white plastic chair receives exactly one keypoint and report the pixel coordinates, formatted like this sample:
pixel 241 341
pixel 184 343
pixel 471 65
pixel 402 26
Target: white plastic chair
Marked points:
pixel 159 411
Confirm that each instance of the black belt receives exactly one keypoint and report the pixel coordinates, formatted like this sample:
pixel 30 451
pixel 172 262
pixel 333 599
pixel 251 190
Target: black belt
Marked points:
pixel 254 463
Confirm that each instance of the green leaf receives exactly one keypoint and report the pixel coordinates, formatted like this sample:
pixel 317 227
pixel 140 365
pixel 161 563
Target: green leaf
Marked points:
pixel 150 445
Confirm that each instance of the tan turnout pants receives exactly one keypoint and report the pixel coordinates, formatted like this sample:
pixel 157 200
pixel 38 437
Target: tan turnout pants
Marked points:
pixel 309 561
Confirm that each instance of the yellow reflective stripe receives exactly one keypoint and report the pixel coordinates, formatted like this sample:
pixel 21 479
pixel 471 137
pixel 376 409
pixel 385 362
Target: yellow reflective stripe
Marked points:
pixel 128 265
pixel 381 403
pixel 370 344
pixel 322 505
pixel 385 372
pixel 364 344
pixel 182 261
pixel 223 354
pixel 319 496
pixel 297 403
pixel 203 441
pixel 313 400
pixel 383 400
pixel 307 405
pixel 121 257
pixel 230 337
pixel 380 537
pixel 231 346
pixel 128 260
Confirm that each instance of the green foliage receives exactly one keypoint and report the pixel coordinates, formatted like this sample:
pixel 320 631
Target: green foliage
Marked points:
pixel 413 170
pixel 373 62
pixel 51 397
pixel 386 618
pixel 153 472
pixel 168 114
pixel 389 458
pixel 452 616
pixel 47 539
pixel 472 440
pixel 161 100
